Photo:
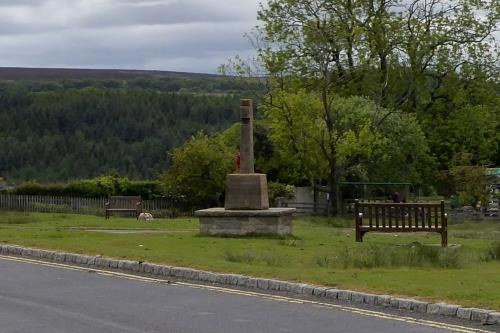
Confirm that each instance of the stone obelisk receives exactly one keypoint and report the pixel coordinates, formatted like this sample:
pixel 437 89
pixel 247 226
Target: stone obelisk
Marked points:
pixel 246 137
pixel 246 209
pixel 246 190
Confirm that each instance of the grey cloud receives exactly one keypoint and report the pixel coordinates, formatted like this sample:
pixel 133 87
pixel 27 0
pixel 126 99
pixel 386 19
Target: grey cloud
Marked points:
pixel 200 48
pixel 154 13
pixel 189 35
pixel 21 2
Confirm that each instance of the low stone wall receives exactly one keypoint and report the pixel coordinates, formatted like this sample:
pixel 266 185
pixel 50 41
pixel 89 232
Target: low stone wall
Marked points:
pixel 221 221
pixel 299 289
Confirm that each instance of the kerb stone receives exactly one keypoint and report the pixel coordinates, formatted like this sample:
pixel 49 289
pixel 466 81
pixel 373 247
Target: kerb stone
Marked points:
pixel 332 293
pixel 464 313
pixel 493 318
pixel 480 314
pixel 384 300
pixel 344 295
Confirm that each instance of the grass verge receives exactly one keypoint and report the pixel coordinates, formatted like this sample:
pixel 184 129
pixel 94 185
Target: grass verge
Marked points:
pixel 322 251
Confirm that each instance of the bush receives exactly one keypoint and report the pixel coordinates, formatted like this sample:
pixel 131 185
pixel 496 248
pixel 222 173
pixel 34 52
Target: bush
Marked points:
pixel 198 171
pixel 92 188
pixel 279 190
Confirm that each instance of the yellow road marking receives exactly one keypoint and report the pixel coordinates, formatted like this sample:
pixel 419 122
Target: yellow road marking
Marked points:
pixel 364 312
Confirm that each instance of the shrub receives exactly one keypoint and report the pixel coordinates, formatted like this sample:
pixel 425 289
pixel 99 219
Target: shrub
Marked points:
pixel 277 190
pixel 103 186
pixel 198 171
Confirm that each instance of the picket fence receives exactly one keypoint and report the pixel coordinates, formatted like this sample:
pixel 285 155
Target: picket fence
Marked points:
pixel 90 206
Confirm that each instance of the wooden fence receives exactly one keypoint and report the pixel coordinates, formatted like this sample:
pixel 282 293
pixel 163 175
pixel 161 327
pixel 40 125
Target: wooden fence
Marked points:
pixel 76 205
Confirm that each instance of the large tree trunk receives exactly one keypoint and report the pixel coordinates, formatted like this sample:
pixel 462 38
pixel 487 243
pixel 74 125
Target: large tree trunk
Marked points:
pixel 335 194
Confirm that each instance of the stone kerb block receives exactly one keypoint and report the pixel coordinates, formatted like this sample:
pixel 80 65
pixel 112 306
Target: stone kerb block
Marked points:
pixel 443 309
pixel 433 308
pixel 358 297
pixel 220 278
pixel 448 310
pixel 384 300
pixel 91 261
pixel 252 283
pixel 263 284
pixel 243 280
pixel 147 268
pixel 319 291
pixel 464 313
pixel 274 285
pixel 113 263
pixel 296 288
pixel 369 299
pixel 307 290
pixel 59 256
pixel 332 293
pixel 394 302
pixel 493 318
pixel 480 314
pixel 418 306
pixel 344 295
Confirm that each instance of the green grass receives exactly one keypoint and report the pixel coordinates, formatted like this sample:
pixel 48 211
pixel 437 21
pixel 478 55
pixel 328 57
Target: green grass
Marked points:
pixel 322 251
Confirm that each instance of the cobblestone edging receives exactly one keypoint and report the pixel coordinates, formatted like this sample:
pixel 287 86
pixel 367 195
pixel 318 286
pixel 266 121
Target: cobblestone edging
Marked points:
pixel 300 289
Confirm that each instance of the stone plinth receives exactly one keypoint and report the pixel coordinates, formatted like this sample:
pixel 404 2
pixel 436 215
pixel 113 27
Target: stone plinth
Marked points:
pixel 220 221
pixel 246 192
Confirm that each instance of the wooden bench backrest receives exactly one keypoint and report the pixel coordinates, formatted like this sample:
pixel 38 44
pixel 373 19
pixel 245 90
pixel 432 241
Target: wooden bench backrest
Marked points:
pixel 126 202
pixel 401 215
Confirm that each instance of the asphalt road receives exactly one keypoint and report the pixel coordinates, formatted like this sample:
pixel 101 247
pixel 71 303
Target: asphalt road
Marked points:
pixel 35 297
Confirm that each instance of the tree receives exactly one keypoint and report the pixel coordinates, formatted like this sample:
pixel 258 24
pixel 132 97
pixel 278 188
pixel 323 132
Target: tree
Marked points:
pixel 394 52
pixel 359 147
pixel 198 170
pixel 399 54
pixel 468 180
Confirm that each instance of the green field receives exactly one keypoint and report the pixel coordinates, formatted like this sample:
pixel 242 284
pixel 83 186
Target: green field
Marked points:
pixel 322 251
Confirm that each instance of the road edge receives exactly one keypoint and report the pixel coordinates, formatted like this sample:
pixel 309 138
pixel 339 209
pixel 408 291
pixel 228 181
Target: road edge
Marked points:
pixel 490 317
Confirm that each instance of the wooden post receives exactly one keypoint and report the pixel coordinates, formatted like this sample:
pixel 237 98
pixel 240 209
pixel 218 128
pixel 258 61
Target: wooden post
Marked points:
pixel 444 226
pixel 359 221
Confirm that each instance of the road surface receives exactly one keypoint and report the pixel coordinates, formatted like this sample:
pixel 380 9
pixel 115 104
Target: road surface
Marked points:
pixel 44 297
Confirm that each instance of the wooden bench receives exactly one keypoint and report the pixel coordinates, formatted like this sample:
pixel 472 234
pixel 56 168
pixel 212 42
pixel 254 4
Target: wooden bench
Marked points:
pixel 401 217
pixel 124 204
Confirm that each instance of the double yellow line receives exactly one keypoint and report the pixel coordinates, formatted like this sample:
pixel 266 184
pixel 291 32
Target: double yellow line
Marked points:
pixel 364 312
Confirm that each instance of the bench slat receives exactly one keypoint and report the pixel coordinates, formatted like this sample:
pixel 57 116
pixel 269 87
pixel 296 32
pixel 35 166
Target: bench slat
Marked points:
pixel 409 217
pixel 383 216
pixel 436 217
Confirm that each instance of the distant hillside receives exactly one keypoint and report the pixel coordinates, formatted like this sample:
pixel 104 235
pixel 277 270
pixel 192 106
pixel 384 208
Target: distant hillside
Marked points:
pixel 63 124
pixel 54 74
pixel 73 134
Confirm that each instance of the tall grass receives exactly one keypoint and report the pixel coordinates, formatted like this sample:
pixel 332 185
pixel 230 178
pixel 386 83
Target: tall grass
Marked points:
pixel 17 218
pixel 493 252
pixel 413 255
pixel 266 258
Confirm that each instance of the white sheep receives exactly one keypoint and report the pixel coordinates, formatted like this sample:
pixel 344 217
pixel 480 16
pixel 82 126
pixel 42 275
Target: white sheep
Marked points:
pixel 146 217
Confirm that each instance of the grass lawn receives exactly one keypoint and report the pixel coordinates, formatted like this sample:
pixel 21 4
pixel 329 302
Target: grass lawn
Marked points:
pixel 322 251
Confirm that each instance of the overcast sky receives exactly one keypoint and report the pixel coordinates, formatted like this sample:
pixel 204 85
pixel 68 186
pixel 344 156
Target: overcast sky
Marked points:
pixel 176 35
